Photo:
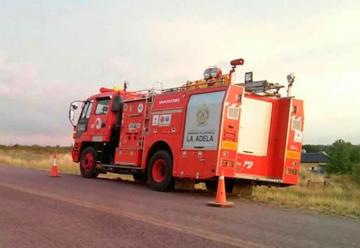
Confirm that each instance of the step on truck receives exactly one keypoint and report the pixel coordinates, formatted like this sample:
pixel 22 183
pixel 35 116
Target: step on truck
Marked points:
pixel 247 132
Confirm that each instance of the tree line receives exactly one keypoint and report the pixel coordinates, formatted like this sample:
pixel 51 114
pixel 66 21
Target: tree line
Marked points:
pixel 344 157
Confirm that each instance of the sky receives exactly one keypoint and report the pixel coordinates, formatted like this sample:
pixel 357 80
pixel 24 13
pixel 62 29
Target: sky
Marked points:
pixel 53 52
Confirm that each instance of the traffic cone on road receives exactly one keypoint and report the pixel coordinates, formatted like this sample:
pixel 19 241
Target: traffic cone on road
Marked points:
pixel 220 199
pixel 54 168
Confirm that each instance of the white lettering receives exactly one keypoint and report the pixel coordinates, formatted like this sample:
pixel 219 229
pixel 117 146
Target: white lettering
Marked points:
pixel 168 101
pixel 199 138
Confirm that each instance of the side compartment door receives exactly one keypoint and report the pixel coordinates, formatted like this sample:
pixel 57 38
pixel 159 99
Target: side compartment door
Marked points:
pixel 232 115
pixel 203 121
pixel 201 134
pixel 132 133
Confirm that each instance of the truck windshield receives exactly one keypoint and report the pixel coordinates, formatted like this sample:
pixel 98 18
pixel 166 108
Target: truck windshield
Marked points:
pixel 86 110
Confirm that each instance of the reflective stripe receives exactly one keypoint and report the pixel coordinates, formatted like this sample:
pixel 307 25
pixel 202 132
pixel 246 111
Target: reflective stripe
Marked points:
pixel 293 155
pixel 227 145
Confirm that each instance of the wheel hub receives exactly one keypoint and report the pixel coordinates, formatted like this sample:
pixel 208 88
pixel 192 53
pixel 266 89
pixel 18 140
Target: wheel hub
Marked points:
pixel 87 162
pixel 159 170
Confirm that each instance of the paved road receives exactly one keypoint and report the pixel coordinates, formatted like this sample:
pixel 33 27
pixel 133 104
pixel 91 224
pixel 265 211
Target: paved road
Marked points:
pixel 39 211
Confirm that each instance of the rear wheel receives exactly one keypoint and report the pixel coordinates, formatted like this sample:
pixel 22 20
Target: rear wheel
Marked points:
pixel 88 163
pixel 160 172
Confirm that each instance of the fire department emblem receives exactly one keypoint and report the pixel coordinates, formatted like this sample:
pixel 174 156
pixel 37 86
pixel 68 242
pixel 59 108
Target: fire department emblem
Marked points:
pixel 140 108
pixel 98 123
pixel 202 115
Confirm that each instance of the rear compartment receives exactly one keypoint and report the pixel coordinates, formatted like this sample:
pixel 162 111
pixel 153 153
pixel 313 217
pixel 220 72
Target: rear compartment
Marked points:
pixel 269 140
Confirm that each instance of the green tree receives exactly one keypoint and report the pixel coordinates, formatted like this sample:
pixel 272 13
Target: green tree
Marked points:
pixel 340 162
pixel 316 148
pixel 311 148
pixel 355 154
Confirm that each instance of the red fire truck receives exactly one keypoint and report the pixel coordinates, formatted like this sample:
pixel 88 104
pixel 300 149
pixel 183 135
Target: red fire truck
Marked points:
pixel 248 132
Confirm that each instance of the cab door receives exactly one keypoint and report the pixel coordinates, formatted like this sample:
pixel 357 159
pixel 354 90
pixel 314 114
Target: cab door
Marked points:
pixel 98 120
pixel 83 122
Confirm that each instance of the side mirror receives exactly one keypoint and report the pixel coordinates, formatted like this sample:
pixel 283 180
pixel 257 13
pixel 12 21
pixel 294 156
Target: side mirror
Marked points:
pixel 74 106
pixel 71 115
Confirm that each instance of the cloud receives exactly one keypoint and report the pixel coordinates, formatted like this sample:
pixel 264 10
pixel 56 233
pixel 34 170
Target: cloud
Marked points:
pixel 18 77
pixel 63 51
pixel 35 139
pixel 29 106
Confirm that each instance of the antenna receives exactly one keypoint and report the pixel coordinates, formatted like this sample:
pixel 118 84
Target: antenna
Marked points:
pixel 126 84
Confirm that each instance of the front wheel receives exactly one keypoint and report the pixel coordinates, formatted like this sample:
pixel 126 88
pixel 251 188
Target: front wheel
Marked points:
pixel 160 172
pixel 88 163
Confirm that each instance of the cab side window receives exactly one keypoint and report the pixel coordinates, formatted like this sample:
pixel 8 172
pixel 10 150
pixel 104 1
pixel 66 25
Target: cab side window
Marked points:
pixel 102 106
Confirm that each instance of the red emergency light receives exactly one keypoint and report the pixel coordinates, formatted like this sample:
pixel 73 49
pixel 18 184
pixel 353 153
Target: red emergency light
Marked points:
pixel 237 62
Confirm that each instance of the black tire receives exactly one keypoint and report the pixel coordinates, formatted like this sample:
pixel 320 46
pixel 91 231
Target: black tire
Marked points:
pixel 88 163
pixel 160 179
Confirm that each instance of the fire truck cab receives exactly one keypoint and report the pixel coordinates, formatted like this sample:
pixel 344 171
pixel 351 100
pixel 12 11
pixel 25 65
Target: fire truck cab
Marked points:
pixel 199 131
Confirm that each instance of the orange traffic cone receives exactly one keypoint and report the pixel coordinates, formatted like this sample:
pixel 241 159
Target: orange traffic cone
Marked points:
pixel 220 199
pixel 54 168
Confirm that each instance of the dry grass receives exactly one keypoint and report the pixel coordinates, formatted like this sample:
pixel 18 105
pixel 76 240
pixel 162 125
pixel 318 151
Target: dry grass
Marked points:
pixel 38 158
pixel 340 197
pixel 41 158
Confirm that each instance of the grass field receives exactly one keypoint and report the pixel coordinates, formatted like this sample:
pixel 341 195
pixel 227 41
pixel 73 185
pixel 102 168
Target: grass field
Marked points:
pixel 38 157
pixel 341 196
